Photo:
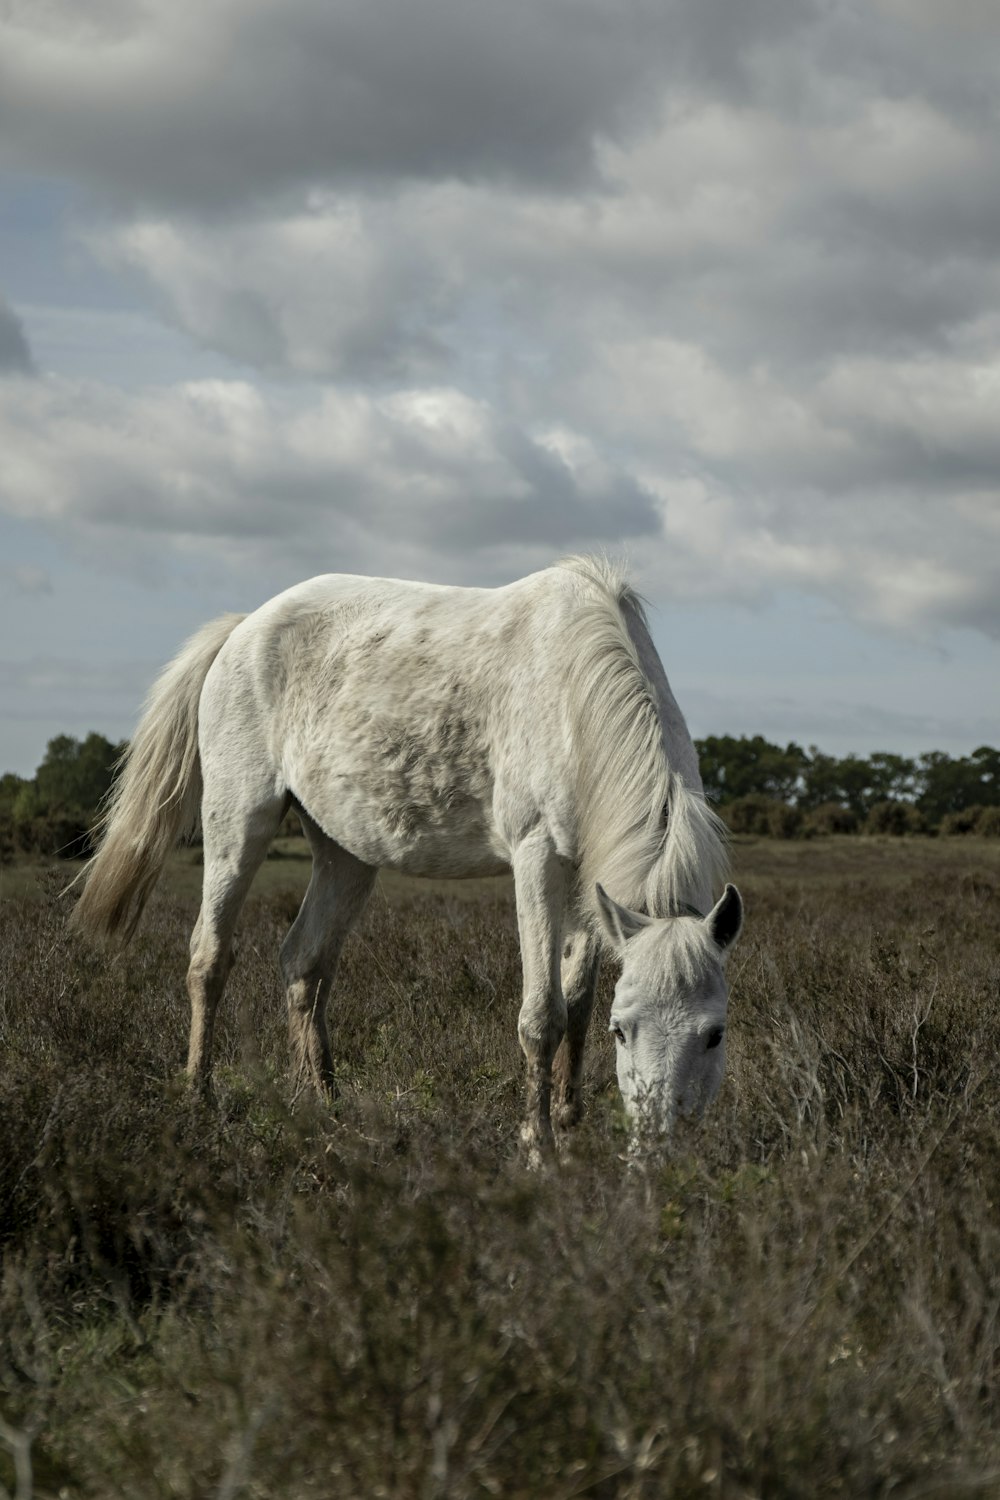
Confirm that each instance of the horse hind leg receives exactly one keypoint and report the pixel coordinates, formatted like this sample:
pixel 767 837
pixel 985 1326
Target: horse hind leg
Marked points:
pixel 338 891
pixel 236 839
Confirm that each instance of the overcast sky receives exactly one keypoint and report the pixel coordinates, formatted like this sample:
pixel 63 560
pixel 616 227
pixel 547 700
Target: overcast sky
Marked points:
pixel 447 289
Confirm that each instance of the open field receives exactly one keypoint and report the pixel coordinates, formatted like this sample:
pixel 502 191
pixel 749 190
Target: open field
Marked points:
pixel 256 1300
pixel 285 872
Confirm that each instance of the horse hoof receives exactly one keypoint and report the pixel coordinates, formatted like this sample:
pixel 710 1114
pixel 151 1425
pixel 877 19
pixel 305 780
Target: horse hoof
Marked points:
pixel 538 1147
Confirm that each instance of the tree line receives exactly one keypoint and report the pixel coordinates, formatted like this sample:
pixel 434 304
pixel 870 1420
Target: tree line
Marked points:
pixel 786 790
pixel 53 811
pixel 758 787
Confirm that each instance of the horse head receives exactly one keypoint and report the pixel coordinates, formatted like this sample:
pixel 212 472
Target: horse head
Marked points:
pixel 668 1018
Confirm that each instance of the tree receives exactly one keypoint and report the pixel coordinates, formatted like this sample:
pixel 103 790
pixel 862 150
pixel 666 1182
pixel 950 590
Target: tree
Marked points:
pixel 950 786
pixel 747 767
pixel 857 783
pixel 892 778
pixel 820 780
pixel 986 761
pixel 75 775
pixel 10 788
pixel 27 804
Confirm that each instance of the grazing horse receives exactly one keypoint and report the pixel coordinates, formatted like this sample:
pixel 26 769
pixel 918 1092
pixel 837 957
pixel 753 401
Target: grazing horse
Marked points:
pixel 450 732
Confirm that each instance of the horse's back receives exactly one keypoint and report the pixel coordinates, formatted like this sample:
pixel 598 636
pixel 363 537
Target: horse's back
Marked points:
pixel 396 712
pixel 378 629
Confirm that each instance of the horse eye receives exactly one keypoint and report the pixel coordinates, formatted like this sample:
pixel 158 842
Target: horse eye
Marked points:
pixel 619 1035
pixel 714 1038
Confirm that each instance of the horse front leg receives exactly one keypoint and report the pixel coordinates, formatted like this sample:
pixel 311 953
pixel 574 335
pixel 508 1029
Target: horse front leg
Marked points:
pixel 580 966
pixel 540 879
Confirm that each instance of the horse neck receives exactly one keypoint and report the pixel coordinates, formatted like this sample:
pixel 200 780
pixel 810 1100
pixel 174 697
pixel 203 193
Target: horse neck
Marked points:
pixel 678 746
pixel 694 860
pixel 646 833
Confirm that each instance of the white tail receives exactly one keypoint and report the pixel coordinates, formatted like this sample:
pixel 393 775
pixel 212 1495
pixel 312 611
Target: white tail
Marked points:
pixel 156 797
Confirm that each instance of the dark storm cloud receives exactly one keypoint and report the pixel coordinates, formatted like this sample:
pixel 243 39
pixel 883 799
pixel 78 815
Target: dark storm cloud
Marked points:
pixel 184 103
pixel 778 182
pixel 207 105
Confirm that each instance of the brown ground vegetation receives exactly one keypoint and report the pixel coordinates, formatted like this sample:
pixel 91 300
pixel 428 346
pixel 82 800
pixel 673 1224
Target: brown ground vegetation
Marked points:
pixel 261 1300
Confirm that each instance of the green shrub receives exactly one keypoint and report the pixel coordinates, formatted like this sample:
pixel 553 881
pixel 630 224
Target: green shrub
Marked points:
pixel 764 817
pixel 895 818
pixel 62 835
pixel 748 814
pixel 830 817
pixel 784 821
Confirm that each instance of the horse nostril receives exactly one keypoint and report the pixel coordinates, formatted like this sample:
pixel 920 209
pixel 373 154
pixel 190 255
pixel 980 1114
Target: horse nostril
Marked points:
pixel 714 1038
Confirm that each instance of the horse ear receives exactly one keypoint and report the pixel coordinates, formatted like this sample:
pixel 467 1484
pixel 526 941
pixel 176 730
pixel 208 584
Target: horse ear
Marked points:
pixel 726 918
pixel 619 922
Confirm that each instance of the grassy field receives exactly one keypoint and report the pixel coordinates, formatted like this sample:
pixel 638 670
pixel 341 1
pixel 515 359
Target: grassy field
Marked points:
pixel 261 1300
pixel 285 872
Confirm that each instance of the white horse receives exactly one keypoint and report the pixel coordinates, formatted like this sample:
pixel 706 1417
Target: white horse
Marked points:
pixel 450 732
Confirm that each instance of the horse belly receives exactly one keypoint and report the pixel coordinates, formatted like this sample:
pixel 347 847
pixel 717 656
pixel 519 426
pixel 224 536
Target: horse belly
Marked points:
pixel 415 796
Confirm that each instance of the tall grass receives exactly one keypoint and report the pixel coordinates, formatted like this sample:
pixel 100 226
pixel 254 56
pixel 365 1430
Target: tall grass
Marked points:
pixel 261 1300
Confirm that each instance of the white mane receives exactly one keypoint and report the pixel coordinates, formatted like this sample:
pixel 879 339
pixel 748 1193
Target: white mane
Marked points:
pixel 647 836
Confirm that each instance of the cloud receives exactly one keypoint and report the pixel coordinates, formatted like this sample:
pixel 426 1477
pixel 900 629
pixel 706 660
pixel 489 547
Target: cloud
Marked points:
pixel 15 355
pixel 209 107
pixel 48 695
pixel 26 578
pixel 763 240
pixel 58 679
pixel 337 289
pixel 715 284
pixel 905 563
pixel 838 724
pixel 185 104
pixel 429 481
pixel 213 464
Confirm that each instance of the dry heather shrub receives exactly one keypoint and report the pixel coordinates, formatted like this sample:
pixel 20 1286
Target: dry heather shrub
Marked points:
pixel 285 1301
pixel 984 821
pixel 988 823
